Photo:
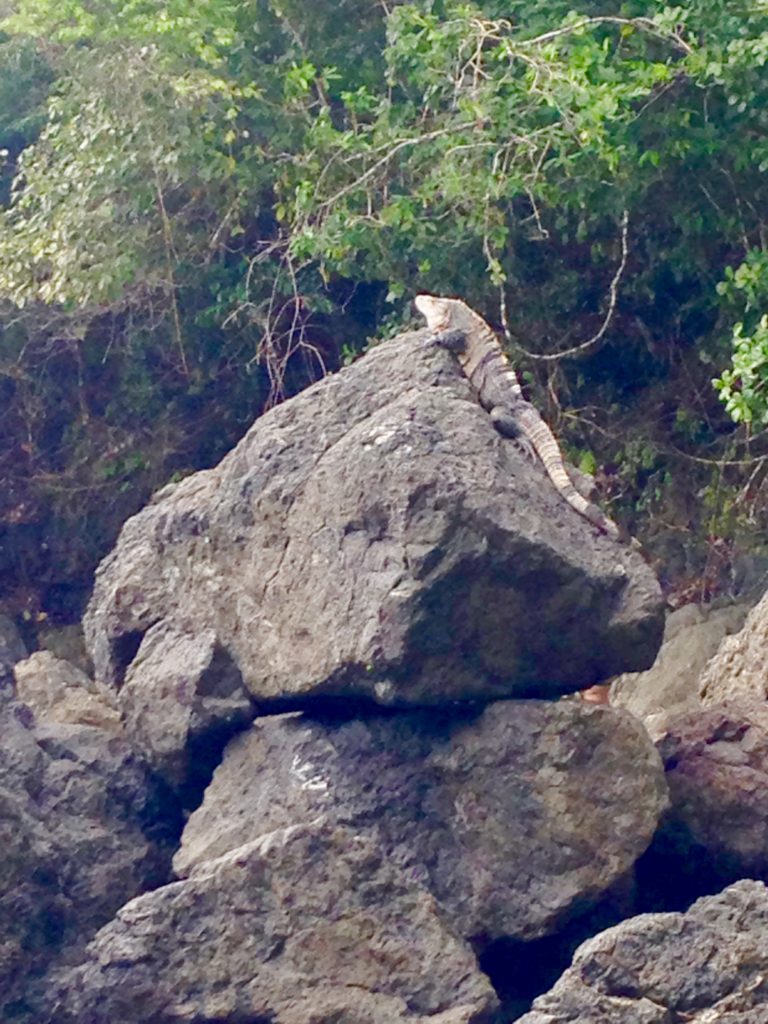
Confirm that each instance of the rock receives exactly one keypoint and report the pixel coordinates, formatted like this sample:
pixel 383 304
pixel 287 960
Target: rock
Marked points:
pixel 82 830
pixel 706 966
pixel 739 670
pixel 376 537
pixel 717 770
pixel 692 636
pixel 67 643
pixel 59 692
pixel 309 924
pixel 183 698
pixel 511 815
pixel 12 649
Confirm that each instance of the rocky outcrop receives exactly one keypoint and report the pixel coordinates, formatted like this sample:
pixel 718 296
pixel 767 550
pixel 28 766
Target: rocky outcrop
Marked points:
pixel 66 642
pixel 372 542
pixel 739 670
pixel 82 830
pixel 510 815
pixel 57 691
pixel 670 687
pixel 707 965
pixel 376 537
pixel 716 765
pixel 309 923
pixel 183 698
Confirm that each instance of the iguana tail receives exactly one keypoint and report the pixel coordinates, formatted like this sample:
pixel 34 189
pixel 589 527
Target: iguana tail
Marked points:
pixel 533 427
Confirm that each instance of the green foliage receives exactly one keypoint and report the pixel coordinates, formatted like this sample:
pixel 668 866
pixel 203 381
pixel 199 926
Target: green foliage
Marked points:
pixel 542 127
pixel 479 119
pixel 23 88
pixel 587 463
pixel 24 84
pixel 137 136
pixel 744 387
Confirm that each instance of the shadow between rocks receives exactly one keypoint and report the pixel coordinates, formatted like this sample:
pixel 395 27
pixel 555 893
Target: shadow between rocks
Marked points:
pixel 670 876
pixel 675 871
pixel 521 971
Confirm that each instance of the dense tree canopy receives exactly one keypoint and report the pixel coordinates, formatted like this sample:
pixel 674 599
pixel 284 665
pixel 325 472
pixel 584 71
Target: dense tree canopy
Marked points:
pixel 206 206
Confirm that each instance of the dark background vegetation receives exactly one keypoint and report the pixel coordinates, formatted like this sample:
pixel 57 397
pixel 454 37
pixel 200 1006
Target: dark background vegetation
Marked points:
pixel 206 207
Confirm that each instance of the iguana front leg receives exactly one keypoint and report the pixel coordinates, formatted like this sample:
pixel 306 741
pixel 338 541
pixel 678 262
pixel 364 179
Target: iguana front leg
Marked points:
pixel 453 340
pixel 503 418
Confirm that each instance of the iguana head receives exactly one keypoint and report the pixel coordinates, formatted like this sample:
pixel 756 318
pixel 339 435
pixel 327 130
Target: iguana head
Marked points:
pixel 436 311
pixel 450 314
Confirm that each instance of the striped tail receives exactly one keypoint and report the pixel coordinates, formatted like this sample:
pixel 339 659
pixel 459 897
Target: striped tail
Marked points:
pixel 543 440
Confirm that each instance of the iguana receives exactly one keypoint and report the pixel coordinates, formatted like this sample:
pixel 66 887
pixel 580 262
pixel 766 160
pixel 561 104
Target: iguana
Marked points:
pixel 462 331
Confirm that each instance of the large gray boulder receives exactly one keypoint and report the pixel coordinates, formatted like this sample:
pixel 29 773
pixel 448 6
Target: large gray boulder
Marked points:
pixel 182 699
pixel 58 691
pixel 716 764
pixel 81 832
pixel 707 966
pixel 511 815
pixel 66 643
pixel 309 924
pixel 739 670
pixel 375 536
pixel 692 635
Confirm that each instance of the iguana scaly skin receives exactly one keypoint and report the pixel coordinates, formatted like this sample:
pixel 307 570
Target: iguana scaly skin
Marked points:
pixel 461 330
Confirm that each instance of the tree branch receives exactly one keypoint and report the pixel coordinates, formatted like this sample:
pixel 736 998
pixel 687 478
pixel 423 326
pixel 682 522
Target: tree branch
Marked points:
pixel 642 24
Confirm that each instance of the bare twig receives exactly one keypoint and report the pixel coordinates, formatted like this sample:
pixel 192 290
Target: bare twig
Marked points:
pixel 391 151
pixel 170 258
pixel 277 344
pixel 646 25
pixel 753 461
pixel 613 292
pixel 744 492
